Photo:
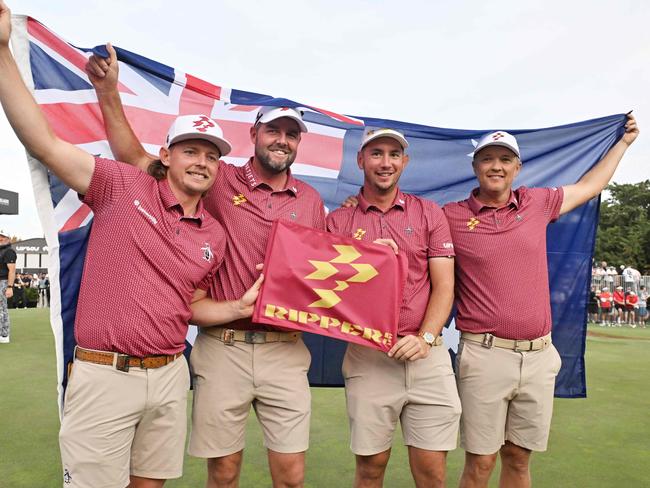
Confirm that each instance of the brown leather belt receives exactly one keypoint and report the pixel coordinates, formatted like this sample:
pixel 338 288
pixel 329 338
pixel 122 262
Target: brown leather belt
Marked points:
pixel 123 362
pixel 488 340
pixel 230 336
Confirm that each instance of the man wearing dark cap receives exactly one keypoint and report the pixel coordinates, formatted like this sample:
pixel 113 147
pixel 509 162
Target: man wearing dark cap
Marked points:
pixel 242 364
pixel 7 278
pixel 506 363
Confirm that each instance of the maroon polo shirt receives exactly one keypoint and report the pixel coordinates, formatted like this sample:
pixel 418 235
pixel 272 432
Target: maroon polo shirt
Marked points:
pixel 247 208
pixel 421 232
pixel 143 264
pixel 501 267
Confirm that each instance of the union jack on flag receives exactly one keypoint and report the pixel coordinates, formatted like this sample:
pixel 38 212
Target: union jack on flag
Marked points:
pixel 154 94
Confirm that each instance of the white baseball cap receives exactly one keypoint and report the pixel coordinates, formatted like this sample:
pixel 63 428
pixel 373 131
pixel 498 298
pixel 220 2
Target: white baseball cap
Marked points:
pixel 267 114
pixel 3 234
pixel 372 134
pixel 197 126
pixel 498 138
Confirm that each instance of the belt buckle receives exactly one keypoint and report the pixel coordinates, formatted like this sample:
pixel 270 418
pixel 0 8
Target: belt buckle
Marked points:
pixel 255 337
pixel 488 339
pixel 122 363
pixel 229 337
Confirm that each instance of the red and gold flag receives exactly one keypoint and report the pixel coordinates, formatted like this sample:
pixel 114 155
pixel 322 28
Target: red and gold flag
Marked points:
pixel 331 285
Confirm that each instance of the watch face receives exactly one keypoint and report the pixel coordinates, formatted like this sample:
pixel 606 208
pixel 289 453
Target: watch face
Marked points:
pixel 428 337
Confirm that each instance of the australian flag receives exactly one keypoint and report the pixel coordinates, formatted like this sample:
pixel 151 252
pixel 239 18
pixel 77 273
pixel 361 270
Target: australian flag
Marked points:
pixel 154 94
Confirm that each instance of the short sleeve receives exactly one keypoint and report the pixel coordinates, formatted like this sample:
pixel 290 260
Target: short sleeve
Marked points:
pixel 109 181
pixel 439 241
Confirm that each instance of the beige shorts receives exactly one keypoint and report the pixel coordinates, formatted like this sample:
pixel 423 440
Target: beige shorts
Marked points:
pixel 506 396
pixel 117 424
pixel 421 394
pixel 229 379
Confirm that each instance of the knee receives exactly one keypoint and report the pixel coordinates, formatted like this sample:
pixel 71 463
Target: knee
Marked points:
pixel 515 458
pixel 223 471
pixel 293 476
pixel 371 468
pixel 480 466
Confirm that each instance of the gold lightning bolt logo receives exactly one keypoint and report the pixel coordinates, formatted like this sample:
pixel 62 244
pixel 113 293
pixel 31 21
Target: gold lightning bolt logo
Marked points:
pixel 326 269
pixel 472 223
pixel 358 235
pixel 238 199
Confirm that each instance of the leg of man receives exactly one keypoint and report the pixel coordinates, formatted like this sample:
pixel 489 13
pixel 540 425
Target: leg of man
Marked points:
pixel 223 472
pixel 428 467
pixel 515 470
pixel 370 470
pixel 283 407
pixel 138 482
pixel 287 469
pixel 477 470
pixel 4 312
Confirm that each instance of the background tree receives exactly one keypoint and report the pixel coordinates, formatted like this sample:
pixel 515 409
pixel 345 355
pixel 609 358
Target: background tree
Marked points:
pixel 624 228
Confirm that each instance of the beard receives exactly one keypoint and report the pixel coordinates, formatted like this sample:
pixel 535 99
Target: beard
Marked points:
pixel 270 162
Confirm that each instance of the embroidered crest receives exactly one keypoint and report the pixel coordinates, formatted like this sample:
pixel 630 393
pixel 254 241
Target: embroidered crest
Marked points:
pixel 519 218
pixel 408 230
pixel 207 252
pixel 238 199
pixel 293 215
pixel 472 223
pixel 358 235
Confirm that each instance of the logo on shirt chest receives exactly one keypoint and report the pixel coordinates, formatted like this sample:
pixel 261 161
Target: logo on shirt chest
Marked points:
pixel 472 223
pixel 358 235
pixel 207 252
pixel 238 199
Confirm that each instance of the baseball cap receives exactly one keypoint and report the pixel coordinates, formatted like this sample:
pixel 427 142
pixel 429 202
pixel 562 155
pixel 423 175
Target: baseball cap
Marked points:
pixel 268 114
pixel 197 126
pixel 372 134
pixel 498 138
pixel 3 233
pixel 605 288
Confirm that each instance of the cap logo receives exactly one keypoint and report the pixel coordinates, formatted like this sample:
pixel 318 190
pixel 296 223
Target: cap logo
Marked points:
pixel 496 136
pixel 203 123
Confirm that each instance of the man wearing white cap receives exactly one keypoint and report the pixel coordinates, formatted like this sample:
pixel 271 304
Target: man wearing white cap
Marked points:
pixel 506 364
pixel 124 417
pixel 246 200
pixel 414 383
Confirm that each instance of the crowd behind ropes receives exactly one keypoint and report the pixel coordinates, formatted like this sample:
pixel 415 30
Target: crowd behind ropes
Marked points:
pixel 618 297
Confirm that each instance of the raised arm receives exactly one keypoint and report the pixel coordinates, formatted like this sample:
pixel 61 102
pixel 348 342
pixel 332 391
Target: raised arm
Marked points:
pixel 103 74
pixel 72 165
pixel 597 178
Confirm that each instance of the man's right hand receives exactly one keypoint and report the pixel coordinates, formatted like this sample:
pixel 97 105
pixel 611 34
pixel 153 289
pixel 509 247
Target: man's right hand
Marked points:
pixel 9 292
pixel 103 72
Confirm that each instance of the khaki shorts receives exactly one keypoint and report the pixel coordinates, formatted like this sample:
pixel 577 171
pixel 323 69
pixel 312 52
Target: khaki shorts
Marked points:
pixel 506 396
pixel 421 394
pixel 229 379
pixel 117 424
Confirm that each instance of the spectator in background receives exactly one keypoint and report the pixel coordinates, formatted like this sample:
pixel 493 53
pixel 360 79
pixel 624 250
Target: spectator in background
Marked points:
pixel 609 277
pixel 592 306
pixel 605 298
pixel 631 308
pixel 43 300
pixel 643 306
pixel 7 277
pixel 619 305
pixel 629 275
pixel 19 292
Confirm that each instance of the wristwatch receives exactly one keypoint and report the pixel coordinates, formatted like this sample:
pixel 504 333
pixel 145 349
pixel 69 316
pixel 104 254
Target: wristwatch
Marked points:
pixel 428 337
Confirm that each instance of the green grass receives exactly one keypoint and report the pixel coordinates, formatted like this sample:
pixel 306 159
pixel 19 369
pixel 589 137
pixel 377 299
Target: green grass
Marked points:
pixel 601 441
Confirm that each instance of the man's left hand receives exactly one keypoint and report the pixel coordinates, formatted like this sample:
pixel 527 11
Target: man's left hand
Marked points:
pixel 9 292
pixel 410 348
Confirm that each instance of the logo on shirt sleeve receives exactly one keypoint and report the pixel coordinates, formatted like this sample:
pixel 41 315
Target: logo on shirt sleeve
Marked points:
pixel 207 252
pixel 238 199
pixel 472 223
